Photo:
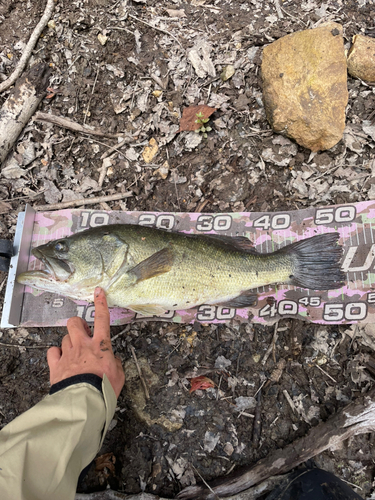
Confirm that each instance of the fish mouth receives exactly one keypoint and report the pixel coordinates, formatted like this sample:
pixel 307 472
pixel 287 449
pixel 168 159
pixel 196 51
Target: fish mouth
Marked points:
pixel 57 269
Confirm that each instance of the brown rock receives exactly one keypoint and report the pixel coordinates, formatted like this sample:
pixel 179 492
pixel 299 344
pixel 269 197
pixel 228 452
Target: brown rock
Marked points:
pixel 305 86
pixel 361 58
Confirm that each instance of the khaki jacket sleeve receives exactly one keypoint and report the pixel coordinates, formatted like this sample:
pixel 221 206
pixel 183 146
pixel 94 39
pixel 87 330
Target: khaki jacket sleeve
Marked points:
pixel 43 451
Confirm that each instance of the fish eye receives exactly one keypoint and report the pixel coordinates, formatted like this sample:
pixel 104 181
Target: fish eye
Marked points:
pixel 61 247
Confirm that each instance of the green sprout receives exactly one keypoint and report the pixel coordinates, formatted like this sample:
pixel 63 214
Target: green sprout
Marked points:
pixel 202 121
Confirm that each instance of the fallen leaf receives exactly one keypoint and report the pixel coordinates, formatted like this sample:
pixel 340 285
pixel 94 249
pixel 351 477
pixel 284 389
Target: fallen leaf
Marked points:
pixel 107 460
pixel 189 116
pixel 201 383
pixel 150 151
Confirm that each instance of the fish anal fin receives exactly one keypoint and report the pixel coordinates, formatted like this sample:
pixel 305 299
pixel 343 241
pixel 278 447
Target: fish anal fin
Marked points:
pixel 148 309
pixel 246 299
pixel 158 263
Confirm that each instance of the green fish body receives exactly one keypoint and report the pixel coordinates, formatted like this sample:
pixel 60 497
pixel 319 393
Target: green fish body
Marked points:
pixel 151 270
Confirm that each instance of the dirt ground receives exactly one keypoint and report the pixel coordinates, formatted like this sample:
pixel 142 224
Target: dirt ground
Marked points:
pixel 111 87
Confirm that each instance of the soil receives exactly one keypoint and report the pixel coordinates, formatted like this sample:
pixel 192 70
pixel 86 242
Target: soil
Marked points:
pixel 221 173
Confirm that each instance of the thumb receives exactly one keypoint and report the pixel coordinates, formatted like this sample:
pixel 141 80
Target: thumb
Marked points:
pixel 53 356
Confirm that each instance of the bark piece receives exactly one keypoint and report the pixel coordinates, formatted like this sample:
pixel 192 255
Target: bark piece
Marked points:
pixel 21 105
pixel 305 86
pixel 356 418
pixel 361 58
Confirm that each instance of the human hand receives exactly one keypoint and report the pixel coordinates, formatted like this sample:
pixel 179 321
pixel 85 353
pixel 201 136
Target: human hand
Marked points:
pixel 83 352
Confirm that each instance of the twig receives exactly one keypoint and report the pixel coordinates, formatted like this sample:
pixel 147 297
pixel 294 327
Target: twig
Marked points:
pixel 119 334
pixel 155 28
pixel 159 81
pixel 92 93
pixel 2 284
pixel 290 401
pixel 325 373
pixel 140 373
pixel 84 201
pixel 201 206
pixel 245 414
pixel 208 486
pixel 71 125
pixel 290 15
pixel 260 387
pixel 257 427
pixel 120 29
pixel 218 387
pixel 29 47
pixel 28 346
pixel 278 9
pixel 175 186
pixel 272 345
pixel 238 359
pixel 115 148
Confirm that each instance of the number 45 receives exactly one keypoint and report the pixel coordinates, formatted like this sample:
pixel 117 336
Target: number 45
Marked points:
pixel 310 301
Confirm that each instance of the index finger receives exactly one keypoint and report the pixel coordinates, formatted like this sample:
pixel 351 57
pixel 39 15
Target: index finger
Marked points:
pixel 101 320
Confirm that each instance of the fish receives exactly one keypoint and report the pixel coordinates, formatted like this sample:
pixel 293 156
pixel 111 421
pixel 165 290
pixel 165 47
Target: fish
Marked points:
pixel 152 271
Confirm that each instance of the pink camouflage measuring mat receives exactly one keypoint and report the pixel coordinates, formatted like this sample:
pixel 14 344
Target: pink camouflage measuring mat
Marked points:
pixel 353 303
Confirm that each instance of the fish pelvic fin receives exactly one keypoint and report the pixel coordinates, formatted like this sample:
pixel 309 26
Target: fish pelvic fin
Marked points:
pixel 158 263
pixel 316 262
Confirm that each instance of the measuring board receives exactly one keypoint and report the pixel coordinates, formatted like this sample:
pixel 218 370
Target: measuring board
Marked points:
pixel 353 303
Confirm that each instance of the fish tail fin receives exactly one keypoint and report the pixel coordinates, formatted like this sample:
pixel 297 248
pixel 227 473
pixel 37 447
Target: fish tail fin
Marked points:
pixel 317 262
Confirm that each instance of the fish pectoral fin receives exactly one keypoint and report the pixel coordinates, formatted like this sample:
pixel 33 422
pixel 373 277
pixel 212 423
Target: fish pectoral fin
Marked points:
pixel 246 299
pixel 159 263
pixel 148 309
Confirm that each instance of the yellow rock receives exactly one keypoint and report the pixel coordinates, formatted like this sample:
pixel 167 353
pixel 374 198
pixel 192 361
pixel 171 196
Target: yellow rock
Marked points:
pixel 150 151
pixel 102 39
pixel 305 86
pixel 361 58
pixel 157 93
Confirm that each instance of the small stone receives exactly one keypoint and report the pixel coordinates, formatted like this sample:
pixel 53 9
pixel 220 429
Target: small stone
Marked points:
pixel 305 86
pixel 361 58
pixel 51 24
pixel 102 39
pixel 163 170
pixel 227 73
pixel 228 449
pixel 157 93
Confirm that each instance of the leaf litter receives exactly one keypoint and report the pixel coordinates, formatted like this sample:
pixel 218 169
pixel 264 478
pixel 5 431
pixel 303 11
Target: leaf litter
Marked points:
pixel 134 82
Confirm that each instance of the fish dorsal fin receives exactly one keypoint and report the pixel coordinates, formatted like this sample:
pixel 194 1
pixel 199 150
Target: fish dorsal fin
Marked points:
pixel 158 263
pixel 234 242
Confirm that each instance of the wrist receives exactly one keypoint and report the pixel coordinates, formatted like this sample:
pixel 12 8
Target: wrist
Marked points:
pixel 88 378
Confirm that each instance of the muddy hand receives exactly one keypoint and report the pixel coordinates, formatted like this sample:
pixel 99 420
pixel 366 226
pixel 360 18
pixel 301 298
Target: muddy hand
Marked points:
pixel 81 352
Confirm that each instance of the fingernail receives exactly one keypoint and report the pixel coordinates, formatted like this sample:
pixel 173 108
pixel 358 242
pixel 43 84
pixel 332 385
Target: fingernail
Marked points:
pixel 97 291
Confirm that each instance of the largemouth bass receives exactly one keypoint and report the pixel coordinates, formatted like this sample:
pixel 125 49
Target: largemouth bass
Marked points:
pixel 151 270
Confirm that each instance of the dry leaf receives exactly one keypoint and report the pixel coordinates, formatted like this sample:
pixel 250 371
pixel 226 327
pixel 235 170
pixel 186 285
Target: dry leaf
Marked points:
pixel 150 151
pixel 201 383
pixel 190 116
